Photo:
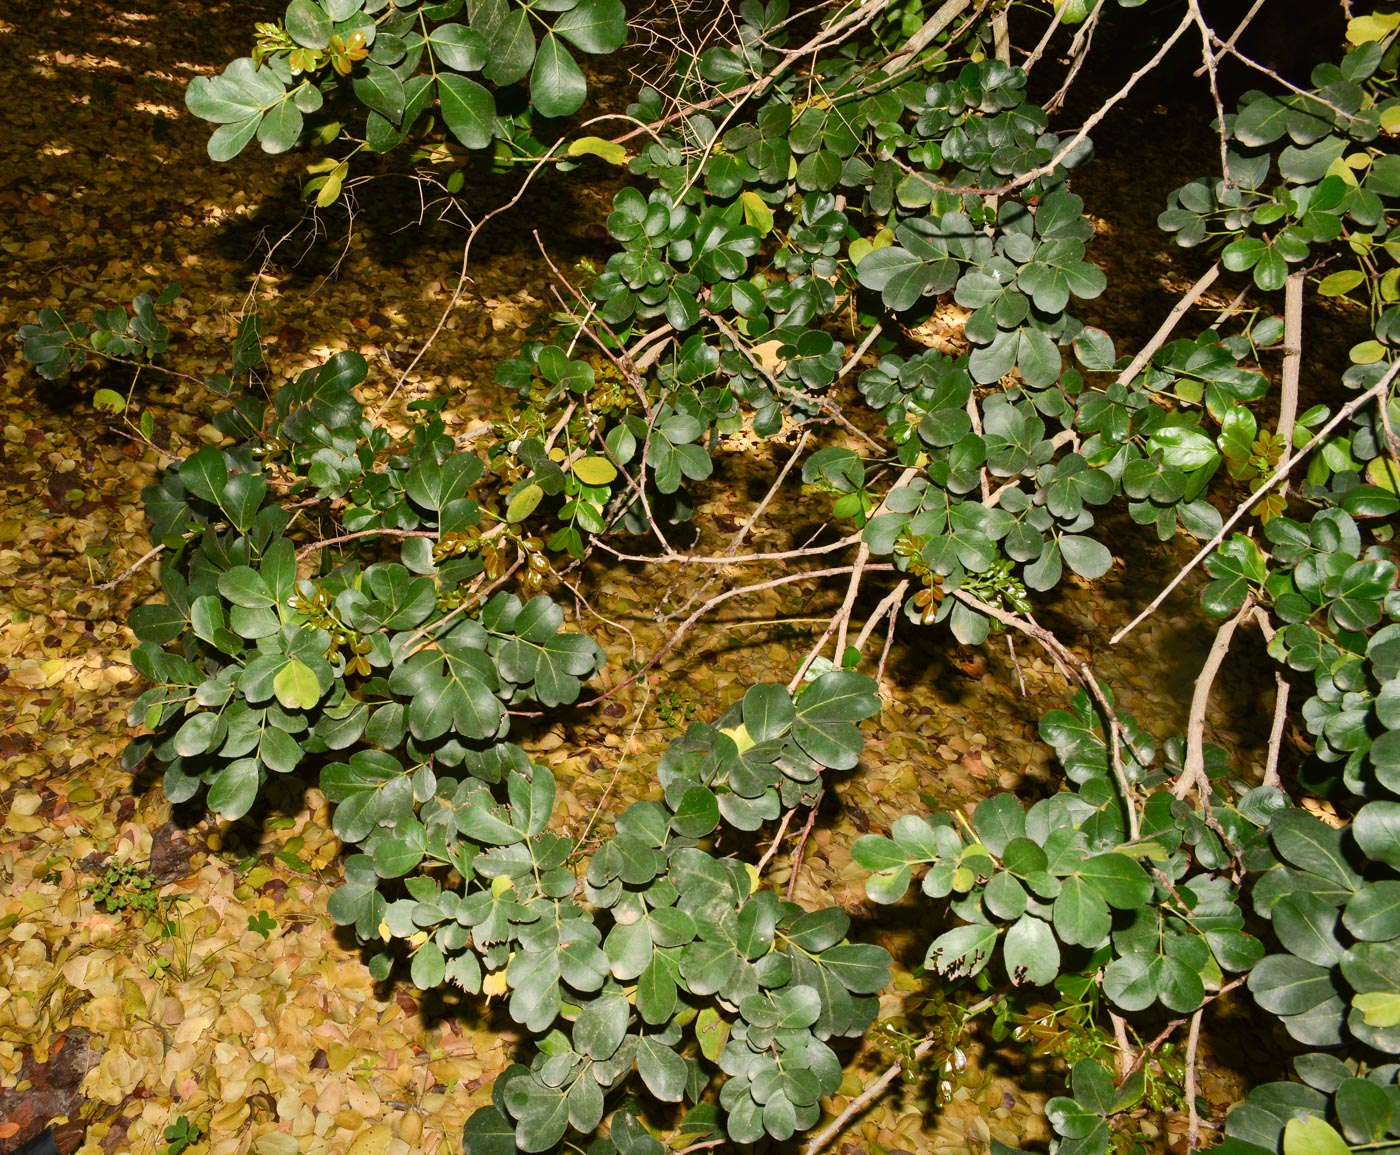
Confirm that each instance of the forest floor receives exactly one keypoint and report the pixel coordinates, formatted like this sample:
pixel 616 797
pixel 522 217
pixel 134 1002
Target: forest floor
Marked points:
pixel 235 1003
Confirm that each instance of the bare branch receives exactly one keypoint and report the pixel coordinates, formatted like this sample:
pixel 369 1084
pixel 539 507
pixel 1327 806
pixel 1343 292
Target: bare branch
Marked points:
pixel 932 28
pixel 1165 329
pixel 1211 63
pixel 719 600
pixel 153 552
pixel 1188 1090
pixel 1034 58
pixel 1193 770
pixel 1292 360
pixel 316 546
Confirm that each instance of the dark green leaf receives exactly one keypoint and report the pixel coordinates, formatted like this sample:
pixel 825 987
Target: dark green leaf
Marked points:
pixel 557 84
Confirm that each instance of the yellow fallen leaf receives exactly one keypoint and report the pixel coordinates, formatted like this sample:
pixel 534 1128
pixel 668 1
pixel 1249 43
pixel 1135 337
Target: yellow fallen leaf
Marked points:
pixel 373 1141
pixel 276 1143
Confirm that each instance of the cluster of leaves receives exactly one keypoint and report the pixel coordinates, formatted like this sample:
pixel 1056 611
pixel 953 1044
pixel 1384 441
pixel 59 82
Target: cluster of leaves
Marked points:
pixel 57 347
pixel 124 886
pixel 678 962
pixel 1060 889
pixel 485 78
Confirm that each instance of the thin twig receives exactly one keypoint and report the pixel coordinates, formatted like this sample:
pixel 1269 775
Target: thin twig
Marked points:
pixel 1165 329
pixel 864 1099
pixel 718 600
pixel 1284 468
pixel 1080 136
pixel 777 841
pixel 1034 58
pixel 676 558
pixel 889 604
pixel 1079 53
pixel 344 537
pixel 545 158
pixel 1211 66
pixel 801 847
pixel 1126 1054
pixel 1281 690
pixel 153 552
pixel 1229 45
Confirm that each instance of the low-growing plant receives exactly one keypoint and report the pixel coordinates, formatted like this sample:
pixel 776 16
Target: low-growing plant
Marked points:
pixel 123 886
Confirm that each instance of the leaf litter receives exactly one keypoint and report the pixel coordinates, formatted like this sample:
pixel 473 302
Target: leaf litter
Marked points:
pixel 236 1003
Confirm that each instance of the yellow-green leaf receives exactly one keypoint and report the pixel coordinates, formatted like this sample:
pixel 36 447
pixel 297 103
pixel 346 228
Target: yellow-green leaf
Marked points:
pixel 1379 1008
pixel 1390 286
pixel 860 249
pixel 1381 473
pixel 1375 26
pixel 108 400
pixel 1310 1135
pixel 756 212
pixel 595 471
pixel 296 687
pixel 713 1033
pixel 606 150
pixel 330 191
pixel 1340 283
pixel 523 504
pixel 1366 353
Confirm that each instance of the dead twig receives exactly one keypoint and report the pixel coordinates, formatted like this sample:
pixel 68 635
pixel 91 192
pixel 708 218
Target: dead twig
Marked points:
pixel 801 847
pixel 150 554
